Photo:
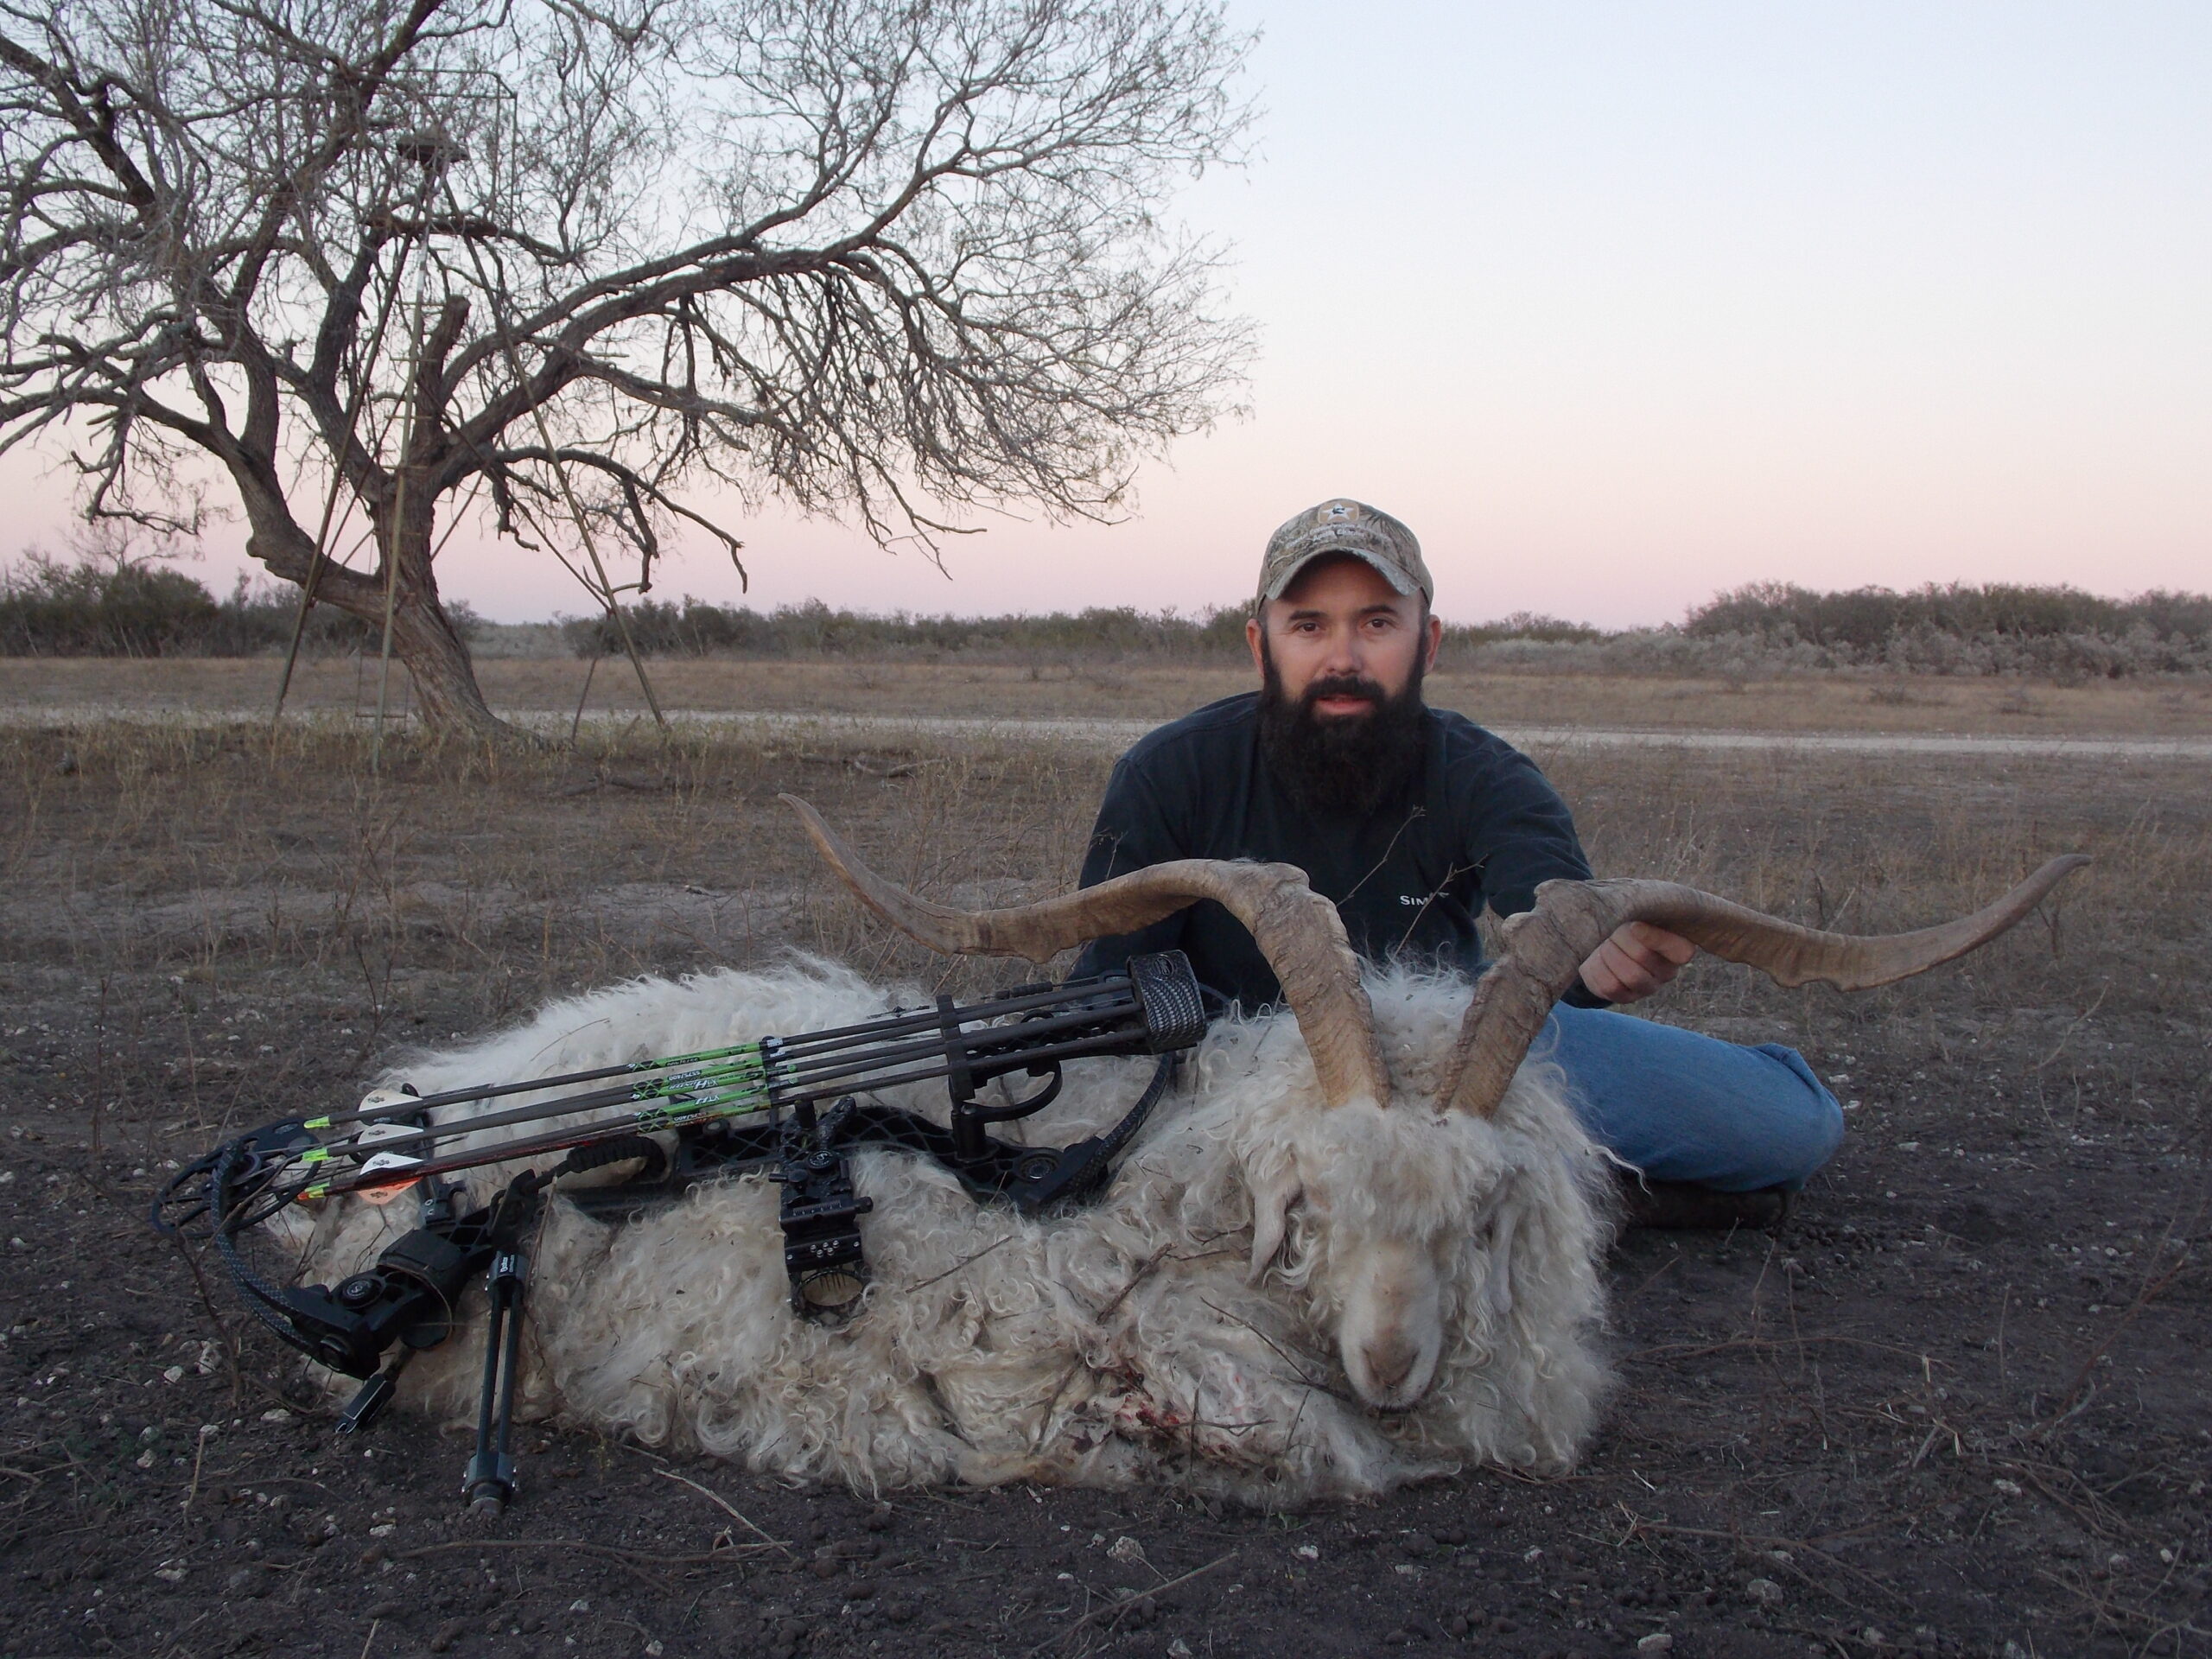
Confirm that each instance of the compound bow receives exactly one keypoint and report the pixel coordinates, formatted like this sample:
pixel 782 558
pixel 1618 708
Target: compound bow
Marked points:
pixel 682 1119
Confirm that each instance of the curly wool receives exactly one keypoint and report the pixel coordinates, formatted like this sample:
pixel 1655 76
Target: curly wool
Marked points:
pixel 1120 1343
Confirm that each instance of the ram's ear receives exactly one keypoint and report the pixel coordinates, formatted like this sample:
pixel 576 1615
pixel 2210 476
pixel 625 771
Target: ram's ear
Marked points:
pixel 1271 1202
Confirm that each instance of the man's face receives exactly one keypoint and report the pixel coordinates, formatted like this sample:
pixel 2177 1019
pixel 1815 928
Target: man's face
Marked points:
pixel 1343 630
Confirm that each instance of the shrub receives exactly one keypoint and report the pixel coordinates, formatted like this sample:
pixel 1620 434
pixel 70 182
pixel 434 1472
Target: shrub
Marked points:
pixel 1993 628
pixel 105 606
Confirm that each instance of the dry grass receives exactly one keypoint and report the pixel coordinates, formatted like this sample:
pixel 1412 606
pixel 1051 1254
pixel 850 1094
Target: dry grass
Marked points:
pixel 1101 691
pixel 483 880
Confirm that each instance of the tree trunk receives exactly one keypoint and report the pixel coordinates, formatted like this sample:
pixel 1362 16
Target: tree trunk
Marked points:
pixel 423 637
pixel 446 692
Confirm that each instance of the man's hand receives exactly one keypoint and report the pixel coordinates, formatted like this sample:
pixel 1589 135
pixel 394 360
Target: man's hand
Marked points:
pixel 1638 960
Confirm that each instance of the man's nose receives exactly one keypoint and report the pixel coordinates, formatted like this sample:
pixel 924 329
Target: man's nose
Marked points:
pixel 1343 655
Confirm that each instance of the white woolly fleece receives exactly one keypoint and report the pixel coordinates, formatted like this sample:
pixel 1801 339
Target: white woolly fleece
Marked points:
pixel 1124 1342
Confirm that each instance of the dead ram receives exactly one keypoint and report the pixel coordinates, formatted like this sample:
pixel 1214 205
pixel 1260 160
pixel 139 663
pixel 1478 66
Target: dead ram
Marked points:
pixel 1361 1243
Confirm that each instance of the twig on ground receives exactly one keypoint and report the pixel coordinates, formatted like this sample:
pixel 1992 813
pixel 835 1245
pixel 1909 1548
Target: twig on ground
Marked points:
pixel 729 1509
pixel 1700 1351
pixel 2067 1035
pixel 1111 1612
pixel 2152 1288
pixel 1638 1524
pixel 606 1552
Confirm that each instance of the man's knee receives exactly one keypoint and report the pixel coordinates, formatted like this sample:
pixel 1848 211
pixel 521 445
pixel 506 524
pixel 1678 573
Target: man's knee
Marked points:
pixel 1805 1125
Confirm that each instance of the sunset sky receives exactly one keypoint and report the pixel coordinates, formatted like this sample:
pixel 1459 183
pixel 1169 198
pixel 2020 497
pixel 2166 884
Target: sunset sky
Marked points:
pixel 1621 304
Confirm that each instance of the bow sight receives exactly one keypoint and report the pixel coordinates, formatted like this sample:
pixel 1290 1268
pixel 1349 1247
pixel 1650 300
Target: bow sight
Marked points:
pixel 682 1120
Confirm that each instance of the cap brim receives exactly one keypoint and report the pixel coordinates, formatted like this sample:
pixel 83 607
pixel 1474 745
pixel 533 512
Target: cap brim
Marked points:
pixel 1400 583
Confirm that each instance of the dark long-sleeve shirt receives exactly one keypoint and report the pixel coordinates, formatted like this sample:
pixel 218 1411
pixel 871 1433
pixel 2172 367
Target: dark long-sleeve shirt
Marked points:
pixel 1477 824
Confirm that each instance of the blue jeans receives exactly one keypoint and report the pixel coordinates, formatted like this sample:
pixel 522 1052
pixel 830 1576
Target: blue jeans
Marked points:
pixel 1684 1108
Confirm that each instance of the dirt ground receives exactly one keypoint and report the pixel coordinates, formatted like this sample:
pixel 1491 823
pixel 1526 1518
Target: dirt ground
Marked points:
pixel 1103 690
pixel 1954 1406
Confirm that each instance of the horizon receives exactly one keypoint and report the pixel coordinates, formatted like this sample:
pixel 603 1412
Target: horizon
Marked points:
pixel 258 581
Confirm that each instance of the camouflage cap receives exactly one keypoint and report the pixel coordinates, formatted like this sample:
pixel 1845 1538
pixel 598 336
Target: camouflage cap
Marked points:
pixel 1346 526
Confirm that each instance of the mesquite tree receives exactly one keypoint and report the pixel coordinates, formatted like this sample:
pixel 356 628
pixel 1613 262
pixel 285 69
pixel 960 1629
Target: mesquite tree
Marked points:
pixel 360 264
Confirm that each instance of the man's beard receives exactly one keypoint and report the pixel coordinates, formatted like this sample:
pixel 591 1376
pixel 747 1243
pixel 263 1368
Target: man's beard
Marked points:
pixel 1347 763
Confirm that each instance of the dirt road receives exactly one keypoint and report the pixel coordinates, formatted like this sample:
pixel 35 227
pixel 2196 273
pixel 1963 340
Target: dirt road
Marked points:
pixel 1115 735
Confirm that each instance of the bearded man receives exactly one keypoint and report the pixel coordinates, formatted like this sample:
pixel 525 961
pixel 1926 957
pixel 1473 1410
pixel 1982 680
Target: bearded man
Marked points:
pixel 1412 819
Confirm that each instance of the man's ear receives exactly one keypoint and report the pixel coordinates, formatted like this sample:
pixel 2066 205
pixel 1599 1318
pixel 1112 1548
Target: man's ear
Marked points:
pixel 1252 636
pixel 1435 640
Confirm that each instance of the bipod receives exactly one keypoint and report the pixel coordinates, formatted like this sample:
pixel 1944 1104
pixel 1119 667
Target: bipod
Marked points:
pixel 489 1484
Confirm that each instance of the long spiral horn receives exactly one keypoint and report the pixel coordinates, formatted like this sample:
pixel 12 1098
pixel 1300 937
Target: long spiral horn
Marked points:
pixel 1545 947
pixel 1297 931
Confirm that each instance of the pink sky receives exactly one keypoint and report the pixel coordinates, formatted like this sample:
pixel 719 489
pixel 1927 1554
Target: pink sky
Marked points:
pixel 1619 306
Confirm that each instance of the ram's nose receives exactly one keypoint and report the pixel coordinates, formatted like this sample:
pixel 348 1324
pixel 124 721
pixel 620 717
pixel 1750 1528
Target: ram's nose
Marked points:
pixel 1390 1360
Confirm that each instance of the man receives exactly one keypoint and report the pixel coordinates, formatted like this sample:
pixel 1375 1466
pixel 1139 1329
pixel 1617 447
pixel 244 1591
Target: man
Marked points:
pixel 1411 819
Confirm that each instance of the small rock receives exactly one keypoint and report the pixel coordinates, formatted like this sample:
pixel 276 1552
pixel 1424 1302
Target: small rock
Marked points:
pixel 1417 1544
pixel 1657 1642
pixel 375 1555
pixel 169 1575
pixel 279 1416
pixel 1765 1591
pixel 1127 1550
pixel 1307 1552
pixel 1456 1625
pixel 824 1567
pixel 880 1518
pixel 1138 1610
pixel 1179 1648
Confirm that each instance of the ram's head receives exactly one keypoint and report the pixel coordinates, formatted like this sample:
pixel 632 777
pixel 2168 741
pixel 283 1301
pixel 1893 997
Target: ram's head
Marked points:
pixel 1373 1267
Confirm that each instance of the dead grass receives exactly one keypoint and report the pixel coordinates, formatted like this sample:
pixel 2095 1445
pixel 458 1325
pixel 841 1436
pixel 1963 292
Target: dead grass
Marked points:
pixel 485 880
pixel 1833 703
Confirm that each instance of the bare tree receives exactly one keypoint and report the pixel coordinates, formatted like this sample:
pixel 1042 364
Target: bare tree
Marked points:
pixel 884 259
